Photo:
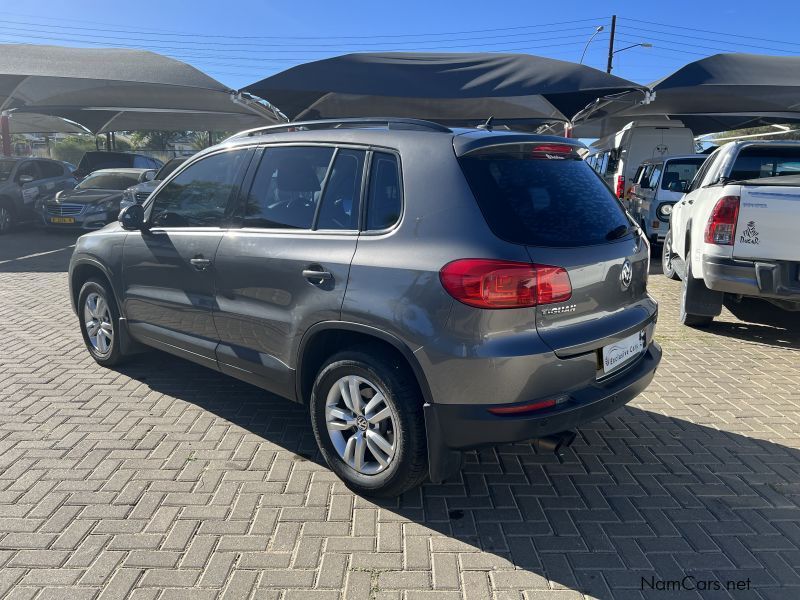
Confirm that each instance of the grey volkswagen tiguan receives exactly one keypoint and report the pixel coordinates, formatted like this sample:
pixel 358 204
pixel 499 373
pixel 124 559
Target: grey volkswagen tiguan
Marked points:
pixel 423 290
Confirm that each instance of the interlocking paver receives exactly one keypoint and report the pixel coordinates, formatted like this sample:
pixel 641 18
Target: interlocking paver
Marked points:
pixel 164 480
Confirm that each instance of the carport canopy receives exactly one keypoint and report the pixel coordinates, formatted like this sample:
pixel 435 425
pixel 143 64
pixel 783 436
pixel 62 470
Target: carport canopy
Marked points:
pixel 452 88
pixel 717 93
pixel 119 89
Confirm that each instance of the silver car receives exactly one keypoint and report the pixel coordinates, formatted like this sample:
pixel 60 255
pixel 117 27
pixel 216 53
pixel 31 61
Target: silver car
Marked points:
pixel 422 290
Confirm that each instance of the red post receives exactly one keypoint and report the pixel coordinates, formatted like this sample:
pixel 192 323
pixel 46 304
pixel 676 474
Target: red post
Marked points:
pixel 5 130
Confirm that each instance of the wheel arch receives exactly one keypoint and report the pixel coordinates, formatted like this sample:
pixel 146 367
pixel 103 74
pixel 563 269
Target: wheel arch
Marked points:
pixel 324 339
pixel 84 269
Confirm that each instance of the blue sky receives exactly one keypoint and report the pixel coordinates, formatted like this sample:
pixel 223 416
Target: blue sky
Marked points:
pixel 240 42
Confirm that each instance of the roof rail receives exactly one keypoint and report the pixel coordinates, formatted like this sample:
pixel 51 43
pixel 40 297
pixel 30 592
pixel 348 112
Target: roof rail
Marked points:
pixel 388 122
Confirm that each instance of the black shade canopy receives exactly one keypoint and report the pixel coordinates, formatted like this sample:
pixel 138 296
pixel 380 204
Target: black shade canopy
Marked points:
pixel 116 89
pixel 717 93
pixel 446 87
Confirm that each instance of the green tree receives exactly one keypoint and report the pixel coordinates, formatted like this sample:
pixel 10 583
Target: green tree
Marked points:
pixel 72 148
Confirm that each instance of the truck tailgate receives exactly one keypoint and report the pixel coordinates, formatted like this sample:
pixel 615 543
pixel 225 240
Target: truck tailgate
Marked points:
pixel 767 228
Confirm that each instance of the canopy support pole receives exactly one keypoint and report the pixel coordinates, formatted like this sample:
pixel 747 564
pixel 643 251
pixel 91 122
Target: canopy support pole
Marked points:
pixel 5 128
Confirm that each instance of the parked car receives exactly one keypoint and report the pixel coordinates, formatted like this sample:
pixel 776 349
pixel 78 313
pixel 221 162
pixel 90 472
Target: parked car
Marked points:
pixel 94 202
pixel 422 290
pixel 137 194
pixel 735 230
pixel 25 183
pixel 100 159
pixel 617 156
pixel 657 185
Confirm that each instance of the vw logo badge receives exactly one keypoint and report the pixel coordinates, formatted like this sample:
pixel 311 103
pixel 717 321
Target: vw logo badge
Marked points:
pixel 626 275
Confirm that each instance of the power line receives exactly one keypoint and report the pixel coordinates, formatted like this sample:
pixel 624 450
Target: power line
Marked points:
pixel 206 43
pixel 281 50
pixel 715 32
pixel 326 37
pixel 638 29
pixel 649 37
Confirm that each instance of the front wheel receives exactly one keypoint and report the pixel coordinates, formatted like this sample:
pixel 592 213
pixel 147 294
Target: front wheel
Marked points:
pixel 99 317
pixel 666 258
pixel 366 412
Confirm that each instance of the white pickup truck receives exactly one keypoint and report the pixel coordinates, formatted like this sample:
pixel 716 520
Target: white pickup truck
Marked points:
pixel 737 230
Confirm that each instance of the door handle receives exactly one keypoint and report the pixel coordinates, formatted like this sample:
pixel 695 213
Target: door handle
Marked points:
pixel 317 276
pixel 201 264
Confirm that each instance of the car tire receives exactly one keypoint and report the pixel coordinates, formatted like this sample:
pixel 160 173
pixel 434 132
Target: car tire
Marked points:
pixel 7 217
pixel 99 320
pixel 666 258
pixel 375 450
pixel 691 289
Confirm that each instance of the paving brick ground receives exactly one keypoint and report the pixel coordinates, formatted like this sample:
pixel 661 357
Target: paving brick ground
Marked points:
pixel 165 480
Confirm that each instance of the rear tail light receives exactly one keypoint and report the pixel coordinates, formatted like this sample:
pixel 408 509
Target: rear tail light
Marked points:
pixel 721 226
pixel 485 283
pixel 619 189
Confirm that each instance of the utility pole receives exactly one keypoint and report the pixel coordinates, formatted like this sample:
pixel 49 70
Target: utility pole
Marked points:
pixel 611 43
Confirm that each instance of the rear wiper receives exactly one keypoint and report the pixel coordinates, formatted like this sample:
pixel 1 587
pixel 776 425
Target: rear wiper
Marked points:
pixel 621 231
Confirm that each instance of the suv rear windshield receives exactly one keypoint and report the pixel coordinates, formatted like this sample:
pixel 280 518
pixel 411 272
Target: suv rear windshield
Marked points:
pixel 94 161
pixel 529 199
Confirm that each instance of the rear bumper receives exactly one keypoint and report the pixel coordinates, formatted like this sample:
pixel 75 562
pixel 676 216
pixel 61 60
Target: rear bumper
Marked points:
pixel 761 279
pixel 464 426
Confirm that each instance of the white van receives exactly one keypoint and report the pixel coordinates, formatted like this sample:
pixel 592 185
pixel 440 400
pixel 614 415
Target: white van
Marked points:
pixel 617 156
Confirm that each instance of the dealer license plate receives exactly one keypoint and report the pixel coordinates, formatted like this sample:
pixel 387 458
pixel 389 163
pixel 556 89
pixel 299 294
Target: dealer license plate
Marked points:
pixel 617 355
pixel 62 219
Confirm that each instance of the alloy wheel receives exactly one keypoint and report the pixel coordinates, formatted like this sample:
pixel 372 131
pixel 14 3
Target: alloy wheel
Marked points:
pixel 98 323
pixel 361 424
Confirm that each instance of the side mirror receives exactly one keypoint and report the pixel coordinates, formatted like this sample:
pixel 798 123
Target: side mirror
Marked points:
pixel 149 175
pixel 23 179
pixel 132 217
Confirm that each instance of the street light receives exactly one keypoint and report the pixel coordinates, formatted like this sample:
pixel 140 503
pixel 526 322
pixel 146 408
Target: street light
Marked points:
pixel 642 44
pixel 611 54
pixel 596 31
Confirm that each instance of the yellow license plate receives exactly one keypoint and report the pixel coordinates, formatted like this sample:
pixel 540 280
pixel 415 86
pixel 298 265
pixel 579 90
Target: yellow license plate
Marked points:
pixel 62 219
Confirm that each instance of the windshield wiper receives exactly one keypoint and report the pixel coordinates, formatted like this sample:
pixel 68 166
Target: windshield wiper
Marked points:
pixel 621 231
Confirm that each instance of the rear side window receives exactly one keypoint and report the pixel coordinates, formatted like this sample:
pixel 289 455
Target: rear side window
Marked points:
pixel 340 200
pixel 93 161
pixel 541 201
pixel 654 177
pixel 384 203
pixel 287 187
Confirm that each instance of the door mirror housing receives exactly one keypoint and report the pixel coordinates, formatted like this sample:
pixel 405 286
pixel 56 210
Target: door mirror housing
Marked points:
pixel 132 218
pixel 23 179
pixel 149 175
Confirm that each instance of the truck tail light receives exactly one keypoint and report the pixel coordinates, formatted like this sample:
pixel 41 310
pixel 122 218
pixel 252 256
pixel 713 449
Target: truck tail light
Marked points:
pixel 485 283
pixel 721 226
pixel 619 188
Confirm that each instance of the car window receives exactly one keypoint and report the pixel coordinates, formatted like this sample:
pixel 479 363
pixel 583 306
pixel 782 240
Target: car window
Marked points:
pixel 384 202
pixel 655 175
pixel 758 162
pixel 287 187
pixel 108 181
pixel 199 196
pixel 638 175
pixel 340 200
pixel 6 167
pixel 537 201
pixel 49 169
pixel 141 162
pixel 169 168
pixel 680 172
pixel 28 168
pixel 701 173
